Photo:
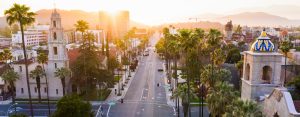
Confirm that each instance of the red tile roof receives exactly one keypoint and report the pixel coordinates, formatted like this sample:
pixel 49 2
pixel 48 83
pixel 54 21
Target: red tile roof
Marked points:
pixel 29 61
pixel 74 54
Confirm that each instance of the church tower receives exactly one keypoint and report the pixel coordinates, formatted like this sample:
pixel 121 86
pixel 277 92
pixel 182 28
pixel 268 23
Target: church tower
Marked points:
pixel 57 54
pixel 262 67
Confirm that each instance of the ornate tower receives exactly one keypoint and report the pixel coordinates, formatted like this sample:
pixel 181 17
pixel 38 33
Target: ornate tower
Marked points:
pixel 262 67
pixel 57 54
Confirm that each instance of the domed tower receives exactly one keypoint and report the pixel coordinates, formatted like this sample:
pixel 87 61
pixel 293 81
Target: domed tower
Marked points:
pixel 57 55
pixel 262 67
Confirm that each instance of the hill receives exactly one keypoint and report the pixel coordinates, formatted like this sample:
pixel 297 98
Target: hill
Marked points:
pixel 69 18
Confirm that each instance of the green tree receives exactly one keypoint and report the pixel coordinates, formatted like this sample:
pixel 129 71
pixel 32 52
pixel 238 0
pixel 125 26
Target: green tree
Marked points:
pixel 42 58
pixel 37 74
pixel 285 47
pixel 218 98
pixel 5 56
pixel 73 106
pixel 233 55
pixel 18 115
pixel 182 92
pixel 221 75
pixel 11 76
pixel 295 83
pixel 81 26
pixel 62 73
pixel 239 66
pixel 21 14
pixel 240 108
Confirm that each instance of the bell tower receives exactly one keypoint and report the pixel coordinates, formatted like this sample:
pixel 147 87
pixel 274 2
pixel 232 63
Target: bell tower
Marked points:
pixel 57 54
pixel 262 67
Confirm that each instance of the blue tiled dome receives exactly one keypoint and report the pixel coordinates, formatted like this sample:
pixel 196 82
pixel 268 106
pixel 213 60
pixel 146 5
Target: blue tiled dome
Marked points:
pixel 262 44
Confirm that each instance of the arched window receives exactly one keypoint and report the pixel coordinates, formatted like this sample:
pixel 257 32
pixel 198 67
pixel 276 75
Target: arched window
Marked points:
pixel 247 72
pixel 54 35
pixel 267 74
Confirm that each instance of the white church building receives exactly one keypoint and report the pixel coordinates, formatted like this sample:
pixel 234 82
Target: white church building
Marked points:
pixel 57 58
pixel 261 80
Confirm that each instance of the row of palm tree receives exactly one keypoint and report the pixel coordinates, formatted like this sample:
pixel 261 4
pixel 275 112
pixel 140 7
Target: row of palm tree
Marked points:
pixel 194 50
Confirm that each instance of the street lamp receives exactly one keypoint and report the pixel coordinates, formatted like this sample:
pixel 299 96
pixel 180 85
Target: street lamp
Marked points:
pixel 15 104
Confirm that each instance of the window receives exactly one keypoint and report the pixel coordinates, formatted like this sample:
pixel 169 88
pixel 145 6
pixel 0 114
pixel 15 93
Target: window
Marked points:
pixel 22 90
pixel 55 65
pixel 56 91
pixel 54 36
pixel 45 89
pixel 20 68
pixel 54 23
pixel 267 73
pixel 35 89
pixel 55 50
pixel 247 72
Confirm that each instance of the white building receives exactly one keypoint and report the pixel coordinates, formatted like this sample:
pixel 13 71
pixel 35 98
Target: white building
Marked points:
pixel 5 42
pixel 19 55
pixel 261 80
pixel 33 36
pixel 57 59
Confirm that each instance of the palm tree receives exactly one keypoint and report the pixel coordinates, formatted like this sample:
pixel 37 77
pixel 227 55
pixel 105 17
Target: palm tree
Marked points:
pixel 285 47
pixel 36 74
pixel 240 108
pixel 42 58
pixel 220 97
pixel 62 74
pixel 182 92
pixel 21 14
pixel 11 76
pixel 81 26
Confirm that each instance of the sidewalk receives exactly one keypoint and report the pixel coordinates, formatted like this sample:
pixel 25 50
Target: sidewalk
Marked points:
pixel 170 102
pixel 5 102
pixel 112 96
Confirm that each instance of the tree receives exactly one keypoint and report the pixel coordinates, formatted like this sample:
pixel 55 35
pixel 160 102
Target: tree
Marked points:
pixel 221 75
pixel 219 97
pixel 73 106
pixel 37 74
pixel 5 55
pixel 42 58
pixel 11 76
pixel 81 26
pixel 240 108
pixel 285 47
pixel 233 55
pixel 21 14
pixel 182 92
pixel 239 66
pixel 295 83
pixel 62 73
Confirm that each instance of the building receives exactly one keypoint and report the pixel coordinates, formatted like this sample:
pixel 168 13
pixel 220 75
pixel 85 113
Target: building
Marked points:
pixel 33 36
pixel 261 79
pixel 116 24
pixel 228 30
pixel 5 42
pixel 57 58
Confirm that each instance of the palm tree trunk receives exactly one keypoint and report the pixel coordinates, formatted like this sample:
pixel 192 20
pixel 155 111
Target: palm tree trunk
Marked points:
pixel 13 91
pixel 26 68
pixel 63 85
pixel 48 102
pixel 38 83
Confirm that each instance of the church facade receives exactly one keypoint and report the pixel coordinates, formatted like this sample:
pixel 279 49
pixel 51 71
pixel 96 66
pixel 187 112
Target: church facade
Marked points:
pixel 57 58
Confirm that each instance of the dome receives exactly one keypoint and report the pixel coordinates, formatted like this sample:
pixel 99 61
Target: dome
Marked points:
pixel 263 44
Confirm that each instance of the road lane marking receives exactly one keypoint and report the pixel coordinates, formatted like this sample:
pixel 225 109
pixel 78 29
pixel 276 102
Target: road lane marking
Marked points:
pixel 108 111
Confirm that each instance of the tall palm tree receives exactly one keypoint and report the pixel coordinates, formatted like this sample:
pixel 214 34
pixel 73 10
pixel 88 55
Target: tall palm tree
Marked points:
pixel 37 74
pixel 42 58
pixel 81 26
pixel 182 92
pixel 21 14
pixel 285 47
pixel 62 74
pixel 11 76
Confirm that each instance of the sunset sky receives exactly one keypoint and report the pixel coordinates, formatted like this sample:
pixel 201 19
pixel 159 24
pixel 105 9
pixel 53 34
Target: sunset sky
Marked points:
pixel 154 11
